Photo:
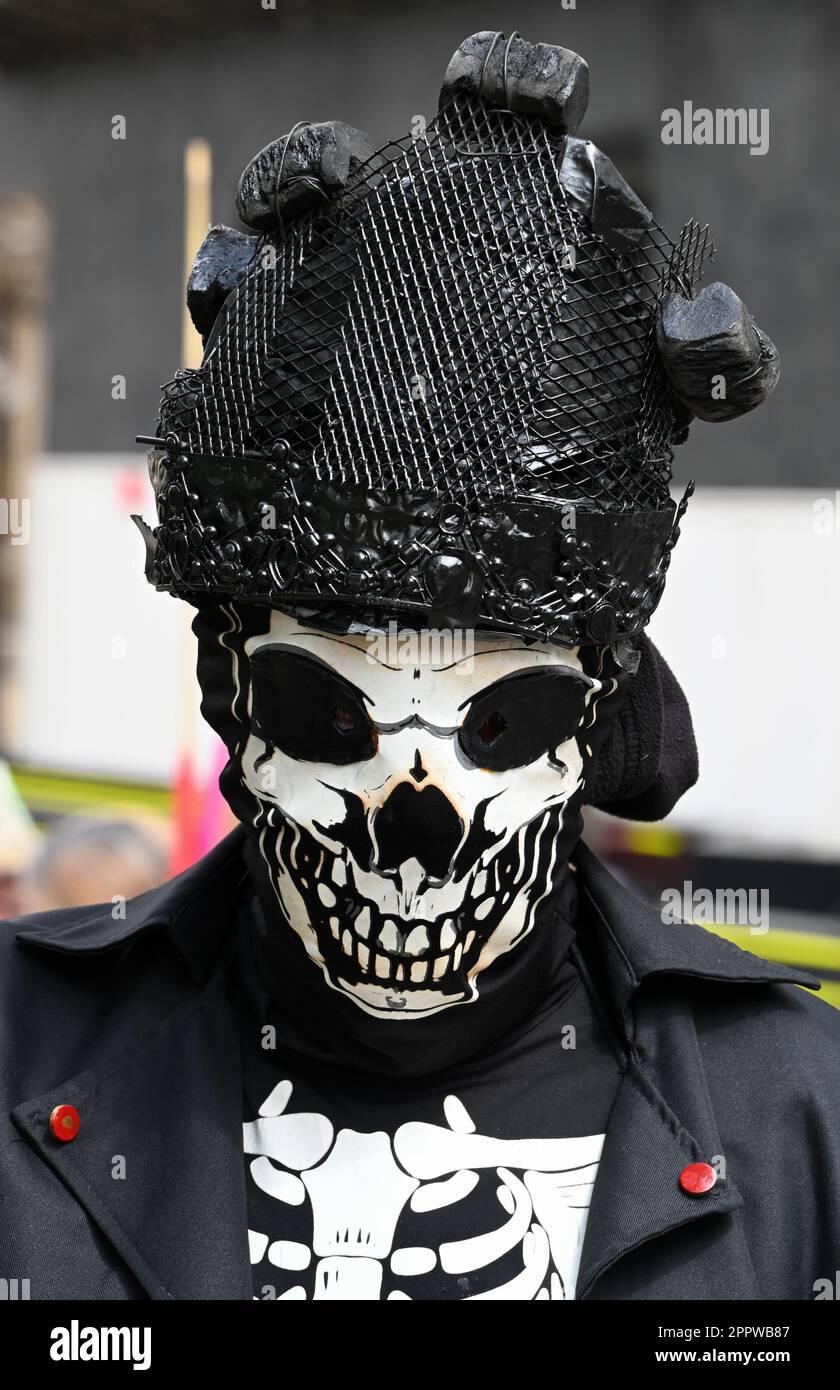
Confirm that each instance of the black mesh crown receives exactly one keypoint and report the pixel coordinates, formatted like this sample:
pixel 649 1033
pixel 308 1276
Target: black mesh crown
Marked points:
pixel 437 389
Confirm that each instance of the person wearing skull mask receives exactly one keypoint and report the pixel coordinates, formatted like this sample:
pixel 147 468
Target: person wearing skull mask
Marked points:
pixel 401 1029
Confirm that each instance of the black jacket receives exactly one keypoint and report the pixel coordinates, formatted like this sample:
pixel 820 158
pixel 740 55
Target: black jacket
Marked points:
pixel 128 1020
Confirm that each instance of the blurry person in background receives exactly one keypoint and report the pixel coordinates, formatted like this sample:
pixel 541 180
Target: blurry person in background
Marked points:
pixel 85 861
pixel 19 840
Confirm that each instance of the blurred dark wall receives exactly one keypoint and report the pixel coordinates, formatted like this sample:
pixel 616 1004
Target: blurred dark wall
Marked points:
pixel 116 206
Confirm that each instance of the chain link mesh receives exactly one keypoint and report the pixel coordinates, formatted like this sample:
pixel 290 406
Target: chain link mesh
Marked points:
pixel 451 321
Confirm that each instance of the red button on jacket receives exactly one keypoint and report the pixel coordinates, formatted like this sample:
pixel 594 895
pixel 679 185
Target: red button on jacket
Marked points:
pixel 698 1178
pixel 64 1122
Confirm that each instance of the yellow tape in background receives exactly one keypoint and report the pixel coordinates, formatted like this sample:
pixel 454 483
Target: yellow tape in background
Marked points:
pixel 48 792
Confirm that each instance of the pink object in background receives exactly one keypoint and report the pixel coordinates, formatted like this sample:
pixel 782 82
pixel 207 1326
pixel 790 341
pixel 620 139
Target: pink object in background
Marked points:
pixel 216 818
pixel 186 816
pixel 200 814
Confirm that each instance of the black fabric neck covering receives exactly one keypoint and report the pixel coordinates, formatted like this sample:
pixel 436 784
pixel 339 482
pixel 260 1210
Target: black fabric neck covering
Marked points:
pixel 285 989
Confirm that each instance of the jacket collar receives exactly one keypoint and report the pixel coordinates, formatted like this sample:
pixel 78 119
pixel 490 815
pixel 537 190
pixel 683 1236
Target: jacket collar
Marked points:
pixel 169 1103
pixel 635 943
pixel 662 1119
pixel 158 1162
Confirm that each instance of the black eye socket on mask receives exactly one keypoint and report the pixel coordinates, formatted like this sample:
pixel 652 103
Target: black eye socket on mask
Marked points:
pixel 307 710
pixel 522 716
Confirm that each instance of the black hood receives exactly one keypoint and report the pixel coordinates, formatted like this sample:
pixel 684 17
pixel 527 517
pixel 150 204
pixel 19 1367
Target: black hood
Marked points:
pixel 650 757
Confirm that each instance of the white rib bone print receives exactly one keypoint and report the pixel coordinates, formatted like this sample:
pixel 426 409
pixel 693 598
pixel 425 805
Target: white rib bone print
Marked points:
pixel 358 1186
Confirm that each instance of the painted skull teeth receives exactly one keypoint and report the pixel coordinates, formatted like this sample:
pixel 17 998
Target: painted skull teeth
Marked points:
pixel 380 948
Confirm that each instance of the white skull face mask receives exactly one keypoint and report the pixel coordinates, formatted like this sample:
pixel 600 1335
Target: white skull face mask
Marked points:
pixel 410 790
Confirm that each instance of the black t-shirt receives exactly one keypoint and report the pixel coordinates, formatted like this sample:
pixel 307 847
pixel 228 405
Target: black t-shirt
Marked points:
pixel 469 1180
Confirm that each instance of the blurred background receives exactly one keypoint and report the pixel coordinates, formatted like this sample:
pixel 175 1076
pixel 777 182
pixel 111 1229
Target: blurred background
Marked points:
pixel 124 131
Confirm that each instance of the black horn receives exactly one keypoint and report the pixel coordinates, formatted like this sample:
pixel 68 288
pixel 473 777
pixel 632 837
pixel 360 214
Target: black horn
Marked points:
pixel 298 171
pixel 716 358
pixel 536 79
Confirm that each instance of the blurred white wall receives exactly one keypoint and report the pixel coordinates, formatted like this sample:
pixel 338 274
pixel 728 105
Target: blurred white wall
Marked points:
pixel 748 623
pixel 104 671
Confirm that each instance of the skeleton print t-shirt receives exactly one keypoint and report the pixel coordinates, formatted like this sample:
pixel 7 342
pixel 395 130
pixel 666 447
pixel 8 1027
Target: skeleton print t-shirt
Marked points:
pixel 469 1181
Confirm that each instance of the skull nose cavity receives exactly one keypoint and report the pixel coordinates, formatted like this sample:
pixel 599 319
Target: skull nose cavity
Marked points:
pixel 418 771
pixel 417 824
